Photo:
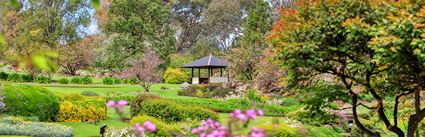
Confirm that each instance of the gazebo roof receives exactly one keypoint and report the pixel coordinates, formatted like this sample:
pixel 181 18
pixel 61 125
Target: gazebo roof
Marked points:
pixel 208 61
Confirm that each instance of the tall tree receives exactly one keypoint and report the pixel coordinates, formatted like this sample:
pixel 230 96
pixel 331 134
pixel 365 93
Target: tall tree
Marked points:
pixel 371 47
pixel 248 53
pixel 136 24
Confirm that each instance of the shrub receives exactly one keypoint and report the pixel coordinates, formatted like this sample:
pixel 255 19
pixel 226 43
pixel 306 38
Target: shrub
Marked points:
pixel 136 103
pixel 28 100
pixel 312 118
pixel 206 91
pixel 170 111
pixel 14 77
pixel 3 75
pixel 253 95
pixel 18 126
pixel 108 81
pixel 117 81
pixel 175 76
pixel 26 78
pixel 86 80
pixel 63 81
pixel 279 130
pixel 76 80
pixel 89 93
pixel 132 81
pixel 42 80
pixel 120 132
pixel 76 108
pixel 163 129
pixel 321 132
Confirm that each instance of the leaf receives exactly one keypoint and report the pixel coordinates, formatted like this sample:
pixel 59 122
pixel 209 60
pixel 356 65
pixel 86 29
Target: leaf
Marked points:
pixel 15 4
pixel 40 62
pixel 95 4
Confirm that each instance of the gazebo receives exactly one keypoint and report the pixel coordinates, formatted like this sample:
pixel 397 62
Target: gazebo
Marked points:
pixel 210 63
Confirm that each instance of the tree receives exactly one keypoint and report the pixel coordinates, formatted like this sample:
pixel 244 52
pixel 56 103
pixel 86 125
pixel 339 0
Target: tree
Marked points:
pixel 253 42
pixel 79 56
pixel 135 25
pixel 373 45
pixel 145 69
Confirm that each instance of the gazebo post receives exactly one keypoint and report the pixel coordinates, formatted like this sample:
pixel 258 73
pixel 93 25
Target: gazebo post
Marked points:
pixel 199 72
pixel 191 77
pixel 221 72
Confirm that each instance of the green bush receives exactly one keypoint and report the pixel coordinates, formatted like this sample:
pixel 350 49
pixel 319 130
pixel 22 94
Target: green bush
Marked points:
pixel 163 129
pixel 132 81
pixel 175 76
pixel 206 91
pixel 170 111
pixel 76 80
pixel 27 100
pixel 315 119
pixel 3 75
pixel 321 132
pixel 117 81
pixel 89 93
pixel 108 81
pixel 86 80
pixel 63 81
pixel 42 80
pixel 136 103
pixel 20 127
pixel 26 78
pixel 14 77
pixel 279 130
pixel 253 95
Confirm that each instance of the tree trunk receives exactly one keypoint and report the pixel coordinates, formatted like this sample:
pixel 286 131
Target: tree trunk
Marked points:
pixel 357 121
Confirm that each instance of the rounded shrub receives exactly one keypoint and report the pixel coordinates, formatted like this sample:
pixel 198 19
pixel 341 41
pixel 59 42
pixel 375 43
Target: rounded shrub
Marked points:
pixel 108 81
pixel 136 103
pixel 86 80
pixel 175 76
pixel 76 108
pixel 89 93
pixel 163 129
pixel 42 80
pixel 28 100
pixel 14 77
pixel 63 81
pixel 3 75
pixel 170 111
pixel 76 80
pixel 279 130
pixel 117 81
pixel 26 78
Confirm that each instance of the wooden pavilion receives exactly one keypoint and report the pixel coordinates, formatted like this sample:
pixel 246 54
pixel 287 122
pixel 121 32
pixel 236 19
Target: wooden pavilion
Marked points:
pixel 210 63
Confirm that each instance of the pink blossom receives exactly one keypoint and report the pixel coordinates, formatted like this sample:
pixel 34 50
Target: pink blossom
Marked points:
pixel 138 128
pixel 122 103
pixel 150 126
pixel 251 113
pixel 120 109
pixel 194 131
pixel 242 117
pixel 260 112
pixel 111 103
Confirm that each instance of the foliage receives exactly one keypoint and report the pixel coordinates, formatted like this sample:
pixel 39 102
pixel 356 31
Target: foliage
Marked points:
pixel 163 129
pixel 89 93
pixel 86 80
pixel 316 119
pixel 27 100
pixel 108 81
pixel 145 69
pixel 42 80
pixel 26 78
pixel 174 76
pixel 78 56
pixel 133 24
pixel 206 91
pixel 279 130
pixel 76 108
pixel 137 103
pixel 253 95
pixel 14 77
pixel 170 111
pixel 117 81
pixel 321 131
pixel 18 126
pixel 76 80
pixel 3 75
pixel 63 81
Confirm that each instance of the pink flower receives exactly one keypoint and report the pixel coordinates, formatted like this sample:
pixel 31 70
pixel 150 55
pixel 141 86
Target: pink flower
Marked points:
pixel 242 117
pixel 150 126
pixel 111 103
pixel 194 131
pixel 120 109
pixel 260 112
pixel 251 113
pixel 139 129
pixel 122 103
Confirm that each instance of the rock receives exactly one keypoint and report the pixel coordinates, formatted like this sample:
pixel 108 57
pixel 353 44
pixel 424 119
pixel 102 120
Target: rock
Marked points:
pixel 164 88
pixel 184 85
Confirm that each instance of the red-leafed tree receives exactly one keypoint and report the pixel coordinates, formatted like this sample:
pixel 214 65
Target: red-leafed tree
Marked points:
pixel 145 69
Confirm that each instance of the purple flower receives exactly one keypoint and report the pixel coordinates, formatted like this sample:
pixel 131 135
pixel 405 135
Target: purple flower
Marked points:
pixel 111 103
pixel 194 131
pixel 251 113
pixel 150 126
pixel 260 112
pixel 242 117
pixel 139 129
pixel 122 103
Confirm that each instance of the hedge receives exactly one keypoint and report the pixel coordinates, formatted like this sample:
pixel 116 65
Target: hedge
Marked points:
pixel 28 100
pixel 76 108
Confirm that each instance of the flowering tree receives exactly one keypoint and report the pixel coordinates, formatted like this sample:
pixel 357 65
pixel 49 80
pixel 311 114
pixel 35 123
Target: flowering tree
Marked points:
pixel 145 69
